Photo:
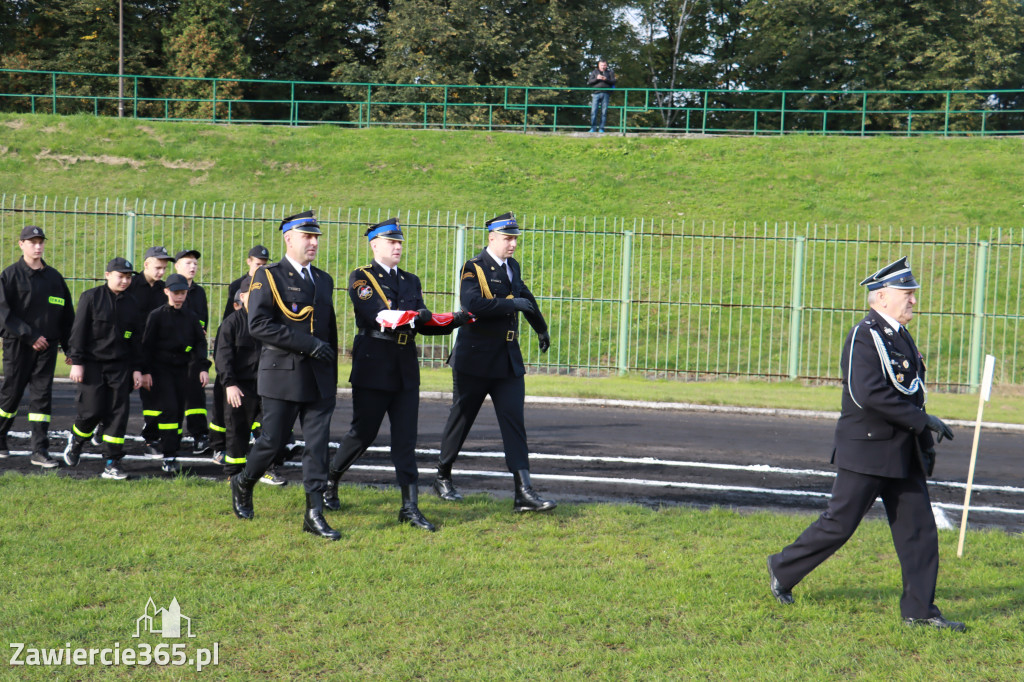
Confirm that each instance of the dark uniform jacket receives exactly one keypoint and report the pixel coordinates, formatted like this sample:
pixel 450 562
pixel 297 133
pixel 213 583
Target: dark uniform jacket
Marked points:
pixel 384 364
pixel 35 303
pixel 149 298
pixel 197 303
pixel 108 328
pixel 236 353
pixel 881 427
pixel 286 370
pixel 173 339
pixel 489 347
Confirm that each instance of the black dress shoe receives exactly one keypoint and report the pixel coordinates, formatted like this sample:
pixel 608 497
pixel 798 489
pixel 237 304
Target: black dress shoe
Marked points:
pixel 313 520
pixel 410 512
pixel 784 596
pixel 526 499
pixel 936 622
pixel 445 489
pixel 331 500
pixel 241 497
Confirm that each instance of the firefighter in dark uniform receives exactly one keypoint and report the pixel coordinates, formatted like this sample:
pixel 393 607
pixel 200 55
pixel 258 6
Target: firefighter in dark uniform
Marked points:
pixel 258 257
pixel 883 447
pixel 147 288
pixel 106 363
pixel 487 360
pixel 385 374
pixel 292 316
pixel 186 264
pixel 36 314
pixel 174 351
pixel 237 359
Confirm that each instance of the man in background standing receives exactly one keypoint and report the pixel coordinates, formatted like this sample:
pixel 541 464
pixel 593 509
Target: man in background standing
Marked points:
pixel 603 79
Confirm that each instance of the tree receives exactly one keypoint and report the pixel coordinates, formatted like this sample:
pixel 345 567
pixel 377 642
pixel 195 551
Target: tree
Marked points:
pixel 203 41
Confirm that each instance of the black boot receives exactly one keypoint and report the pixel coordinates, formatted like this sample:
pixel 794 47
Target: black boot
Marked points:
pixel 314 522
pixel 443 485
pixel 241 495
pixel 410 511
pixel 331 500
pixel 526 499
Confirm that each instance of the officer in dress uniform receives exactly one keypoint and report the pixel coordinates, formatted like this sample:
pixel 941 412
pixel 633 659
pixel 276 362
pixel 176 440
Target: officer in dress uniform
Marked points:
pixel 106 363
pixel 186 264
pixel 147 288
pixel 292 316
pixel 487 360
pixel 385 374
pixel 883 447
pixel 36 314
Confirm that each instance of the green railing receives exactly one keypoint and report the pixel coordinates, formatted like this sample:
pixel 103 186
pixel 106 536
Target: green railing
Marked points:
pixel 682 300
pixel 515 107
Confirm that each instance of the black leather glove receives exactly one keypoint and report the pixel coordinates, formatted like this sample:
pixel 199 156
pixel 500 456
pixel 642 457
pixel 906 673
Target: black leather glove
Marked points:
pixel 939 427
pixel 323 352
pixel 523 305
pixel 462 317
pixel 423 316
pixel 928 460
pixel 544 340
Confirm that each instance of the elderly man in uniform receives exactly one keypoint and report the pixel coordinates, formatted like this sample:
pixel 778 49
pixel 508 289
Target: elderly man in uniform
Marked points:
pixel 883 447
pixel 292 316
pixel 36 314
pixel 487 360
pixel 385 378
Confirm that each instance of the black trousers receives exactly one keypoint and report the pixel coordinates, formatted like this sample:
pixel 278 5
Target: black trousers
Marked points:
pixel 150 411
pixel 239 427
pixel 25 367
pixel 195 406
pixel 103 398
pixel 911 523
pixel 218 423
pixel 278 419
pixel 170 386
pixel 368 409
pixel 508 395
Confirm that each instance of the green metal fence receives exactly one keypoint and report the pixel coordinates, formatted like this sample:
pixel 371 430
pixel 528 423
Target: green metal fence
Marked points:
pixel 520 108
pixel 681 299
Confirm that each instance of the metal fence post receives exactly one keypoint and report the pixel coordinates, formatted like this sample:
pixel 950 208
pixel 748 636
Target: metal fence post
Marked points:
pixel 978 313
pixel 129 237
pixel 460 258
pixel 797 308
pixel 624 299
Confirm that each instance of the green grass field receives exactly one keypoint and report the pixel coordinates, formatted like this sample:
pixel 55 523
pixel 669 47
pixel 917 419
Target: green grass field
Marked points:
pixel 920 182
pixel 590 591
pixel 607 592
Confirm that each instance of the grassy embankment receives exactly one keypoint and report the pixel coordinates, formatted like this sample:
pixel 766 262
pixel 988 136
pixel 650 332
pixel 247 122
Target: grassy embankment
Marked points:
pixel 888 181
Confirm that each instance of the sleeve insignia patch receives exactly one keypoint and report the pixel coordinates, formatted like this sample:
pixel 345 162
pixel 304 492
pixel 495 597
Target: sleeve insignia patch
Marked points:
pixel 365 292
pixel 255 285
pixel 468 275
pixel 359 283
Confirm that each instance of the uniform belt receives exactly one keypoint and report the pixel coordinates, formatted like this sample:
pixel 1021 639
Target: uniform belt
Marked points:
pixel 401 338
pixel 509 335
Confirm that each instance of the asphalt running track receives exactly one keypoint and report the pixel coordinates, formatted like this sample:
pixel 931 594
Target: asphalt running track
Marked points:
pixel 614 451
